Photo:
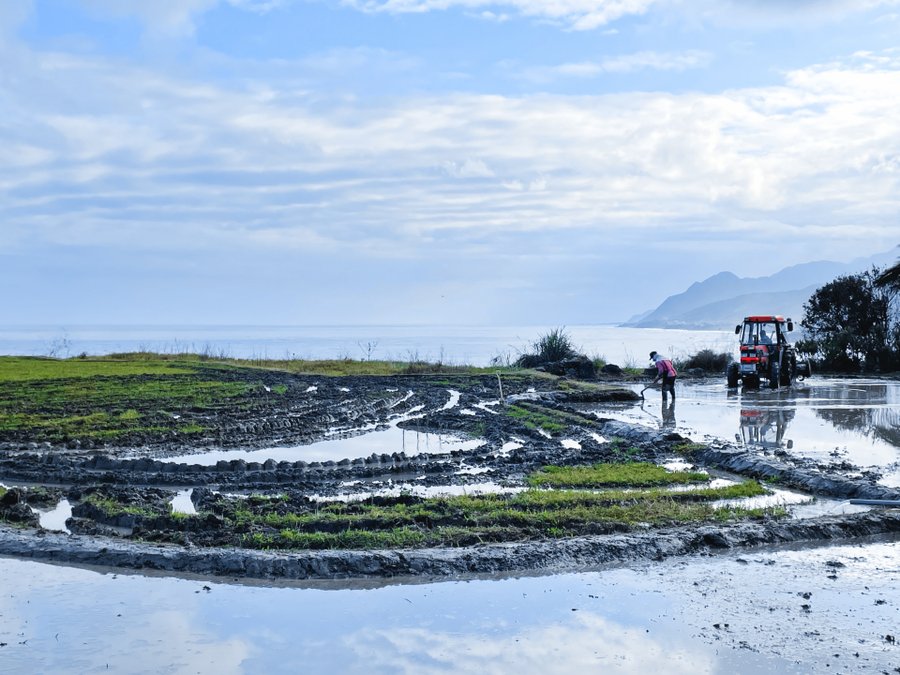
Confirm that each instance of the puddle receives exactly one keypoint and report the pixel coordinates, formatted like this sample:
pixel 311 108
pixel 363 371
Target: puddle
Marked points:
pixel 488 406
pixel 509 446
pixel 386 441
pixel 827 420
pixel 398 489
pixel 777 498
pixel 367 440
pixel 677 465
pixel 825 507
pixel 55 518
pixel 454 400
pixel 181 503
pixel 465 470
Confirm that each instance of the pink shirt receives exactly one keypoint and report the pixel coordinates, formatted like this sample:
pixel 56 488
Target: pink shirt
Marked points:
pixel 665 367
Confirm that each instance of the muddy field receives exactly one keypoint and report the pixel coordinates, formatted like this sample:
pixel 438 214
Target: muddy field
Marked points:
pixel 166 499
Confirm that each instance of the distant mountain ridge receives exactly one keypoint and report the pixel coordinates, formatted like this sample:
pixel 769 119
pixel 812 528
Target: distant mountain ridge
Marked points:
pixel 722 300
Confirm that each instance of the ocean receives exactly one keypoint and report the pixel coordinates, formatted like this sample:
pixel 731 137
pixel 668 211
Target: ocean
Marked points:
pixel 471 345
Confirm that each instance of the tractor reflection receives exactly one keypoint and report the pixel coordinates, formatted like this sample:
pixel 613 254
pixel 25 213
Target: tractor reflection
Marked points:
pixel 765 427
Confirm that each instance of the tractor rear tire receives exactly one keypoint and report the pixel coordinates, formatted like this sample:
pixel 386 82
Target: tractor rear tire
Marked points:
pixel 774 376
pixel 732 375
pixel 788 369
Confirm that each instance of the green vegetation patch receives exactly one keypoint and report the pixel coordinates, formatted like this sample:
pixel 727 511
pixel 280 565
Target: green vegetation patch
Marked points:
pixel 112 508
pixel 465 520
pixel 549 421
pixel 637 474
pixel 26 369
pixel 55 400
pixel 686 448
pixel 281 521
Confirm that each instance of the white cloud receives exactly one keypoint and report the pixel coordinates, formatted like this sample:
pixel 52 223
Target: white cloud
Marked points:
pixel 470 168
pixel 624 64
pixel 586 645
pixel 176 18
pixel 155 161
pixel 574 14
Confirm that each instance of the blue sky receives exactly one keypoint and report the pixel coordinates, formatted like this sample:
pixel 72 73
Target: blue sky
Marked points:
pixel 433 161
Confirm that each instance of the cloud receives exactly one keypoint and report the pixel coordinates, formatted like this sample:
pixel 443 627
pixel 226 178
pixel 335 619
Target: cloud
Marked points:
pixel 620 65
pixel 573 14
pixel 581 646
pixel 173 18
pixel 763 13
pixel 176 18
pixel 155 162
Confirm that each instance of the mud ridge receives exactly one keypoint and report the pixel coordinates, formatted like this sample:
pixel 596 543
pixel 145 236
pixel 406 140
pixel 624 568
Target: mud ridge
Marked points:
pixel 555 555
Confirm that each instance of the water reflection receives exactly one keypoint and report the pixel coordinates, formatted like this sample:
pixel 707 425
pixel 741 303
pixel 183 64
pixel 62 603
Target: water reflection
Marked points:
pixel 735 613
pixel 58 619
pixel 765 427
pixel 822 419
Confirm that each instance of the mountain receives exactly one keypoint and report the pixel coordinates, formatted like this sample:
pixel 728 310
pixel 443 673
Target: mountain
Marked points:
pixel 722 300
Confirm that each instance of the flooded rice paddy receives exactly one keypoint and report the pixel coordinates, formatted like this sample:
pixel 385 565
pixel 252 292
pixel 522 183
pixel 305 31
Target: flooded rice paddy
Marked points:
pixel 828 610
pixel 779 610
pixel 823 419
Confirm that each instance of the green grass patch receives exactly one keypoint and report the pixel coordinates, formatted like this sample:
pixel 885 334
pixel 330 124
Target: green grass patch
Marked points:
pixel 535 420
pixel 112 508
pixel 686 448
pixel 57 400
pixel 28 369
pixel 464 520
pixel 637 474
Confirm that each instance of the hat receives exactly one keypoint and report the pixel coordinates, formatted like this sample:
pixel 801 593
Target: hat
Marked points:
pixel 652 354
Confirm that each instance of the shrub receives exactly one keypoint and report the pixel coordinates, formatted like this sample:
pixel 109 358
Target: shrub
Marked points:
pixel 553 346
pixel 707 359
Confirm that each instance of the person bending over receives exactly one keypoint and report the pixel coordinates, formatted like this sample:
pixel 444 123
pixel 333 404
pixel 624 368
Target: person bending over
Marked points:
pixel 666 371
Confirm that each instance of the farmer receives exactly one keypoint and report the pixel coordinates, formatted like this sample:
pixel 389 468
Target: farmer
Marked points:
pixel 666 371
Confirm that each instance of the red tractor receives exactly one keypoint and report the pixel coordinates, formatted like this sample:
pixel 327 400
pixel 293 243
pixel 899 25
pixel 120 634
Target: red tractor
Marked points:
pixel 766 355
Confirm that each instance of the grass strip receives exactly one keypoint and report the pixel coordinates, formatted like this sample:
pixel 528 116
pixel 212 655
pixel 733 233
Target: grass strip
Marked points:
pixel 462 520
pixel 637 474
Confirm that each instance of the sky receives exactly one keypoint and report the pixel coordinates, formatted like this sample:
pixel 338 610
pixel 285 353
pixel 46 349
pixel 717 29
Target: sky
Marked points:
pixel 542 162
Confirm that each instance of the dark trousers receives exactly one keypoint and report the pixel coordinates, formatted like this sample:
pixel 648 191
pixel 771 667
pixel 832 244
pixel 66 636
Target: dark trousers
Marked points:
pixel 668 385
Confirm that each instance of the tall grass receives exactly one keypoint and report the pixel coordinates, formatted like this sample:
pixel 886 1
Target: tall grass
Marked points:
pixel 554 346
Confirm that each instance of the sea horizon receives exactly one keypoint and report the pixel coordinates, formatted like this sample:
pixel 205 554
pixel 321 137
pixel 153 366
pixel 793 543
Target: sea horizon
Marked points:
pixel 477 345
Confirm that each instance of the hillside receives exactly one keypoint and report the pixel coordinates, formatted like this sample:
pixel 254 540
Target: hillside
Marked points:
pixel 722 300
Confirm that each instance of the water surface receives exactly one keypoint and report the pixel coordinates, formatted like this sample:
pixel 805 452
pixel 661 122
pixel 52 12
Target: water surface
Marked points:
pixel 825 419
pixel 771 611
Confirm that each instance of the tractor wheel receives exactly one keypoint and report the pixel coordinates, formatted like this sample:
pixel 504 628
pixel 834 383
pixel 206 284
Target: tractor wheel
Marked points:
pixel 774 376
pixel 751 381
pixel 789 369
pixel 732 375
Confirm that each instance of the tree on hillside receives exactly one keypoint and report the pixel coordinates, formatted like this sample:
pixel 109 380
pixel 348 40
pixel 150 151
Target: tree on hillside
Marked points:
pixel 890 277
pixel 852 324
